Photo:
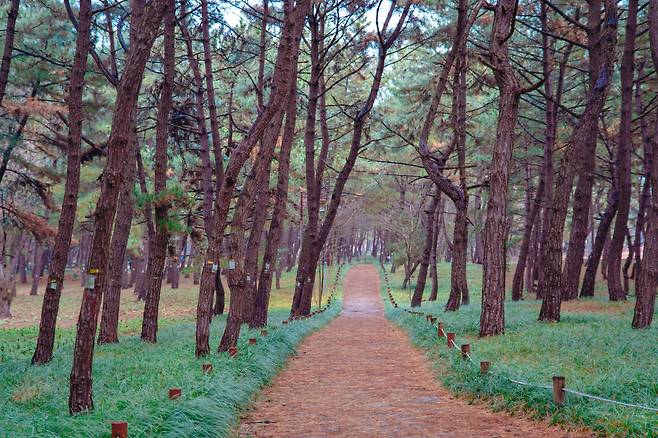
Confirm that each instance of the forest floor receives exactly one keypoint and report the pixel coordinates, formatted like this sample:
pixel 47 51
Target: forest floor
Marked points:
pixel 360 376
pixel 131 378
pixel 593 346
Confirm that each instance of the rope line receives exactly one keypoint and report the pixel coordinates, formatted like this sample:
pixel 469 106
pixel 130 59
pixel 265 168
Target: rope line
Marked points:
pixel 517 382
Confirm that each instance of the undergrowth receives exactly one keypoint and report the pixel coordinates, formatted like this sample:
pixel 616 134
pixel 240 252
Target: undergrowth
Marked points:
pixel 132 378
pixel 598 353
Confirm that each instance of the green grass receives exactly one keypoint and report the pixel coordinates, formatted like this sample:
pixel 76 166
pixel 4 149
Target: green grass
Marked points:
pixel 131 379
pixel 593 346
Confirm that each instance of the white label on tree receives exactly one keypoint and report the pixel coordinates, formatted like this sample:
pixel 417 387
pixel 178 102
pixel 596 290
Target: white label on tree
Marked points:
pixel 214 268
pixel 90 282
pixel 231 264
pixel 53 284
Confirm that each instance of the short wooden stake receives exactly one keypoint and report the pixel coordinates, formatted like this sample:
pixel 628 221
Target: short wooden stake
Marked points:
pixel 252 341
pixel 284 322
pixel 466 349
pixel 440 331
pixel 233 351
pixel 119 429
pixel 484 366
pixel 558 390
pixel 174 393
pixel 263 332
pixel 451 339
pixel 206 368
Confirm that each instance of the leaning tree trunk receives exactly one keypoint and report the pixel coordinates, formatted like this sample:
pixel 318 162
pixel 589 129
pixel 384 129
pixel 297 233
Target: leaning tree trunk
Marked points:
pixel 623 159
pixel 109 328
pixel 118 147
pixel 50 307
pixel 602 232
pixel 430 215
pixel 556 212
pixel 286 56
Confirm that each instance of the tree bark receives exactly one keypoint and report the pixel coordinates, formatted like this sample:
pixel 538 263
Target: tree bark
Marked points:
pixel 286 56
pixel 551 260
pixel 158 246
pixel 50 307
pixel 10 30
pixel 430 215
pixel 118 147
pixel 647 280
pixel 492 316
pixel 623 159
pixel 109 328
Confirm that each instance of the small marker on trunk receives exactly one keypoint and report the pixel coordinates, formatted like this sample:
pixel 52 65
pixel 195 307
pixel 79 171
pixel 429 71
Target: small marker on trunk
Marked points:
pixel 119 429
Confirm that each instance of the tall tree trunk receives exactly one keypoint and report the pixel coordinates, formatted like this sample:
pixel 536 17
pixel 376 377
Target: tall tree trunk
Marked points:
pixel 438 216
pixel 10 30
pixel 158 246
pixel 430 215
pixel 492 316
pixel 602 232
pixel 109 328
pixel 50 307
pixel 118 147
pixel 647 281
pixel 261 304
pixel 286 56
pixel 305 280
pixel 623 159
pixel 37 260
pixel 550 287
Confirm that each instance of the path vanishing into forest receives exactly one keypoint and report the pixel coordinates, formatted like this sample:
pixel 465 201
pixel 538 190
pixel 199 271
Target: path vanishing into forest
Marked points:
pixel 361 377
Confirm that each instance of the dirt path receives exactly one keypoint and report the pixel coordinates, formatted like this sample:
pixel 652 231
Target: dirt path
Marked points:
pixel 361 377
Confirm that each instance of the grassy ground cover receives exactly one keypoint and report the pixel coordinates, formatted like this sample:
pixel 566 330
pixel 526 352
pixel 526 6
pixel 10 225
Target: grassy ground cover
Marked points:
pixel 131 379
pixel 593 346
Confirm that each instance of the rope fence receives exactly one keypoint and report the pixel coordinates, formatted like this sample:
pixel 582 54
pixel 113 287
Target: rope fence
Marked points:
pixel 559 389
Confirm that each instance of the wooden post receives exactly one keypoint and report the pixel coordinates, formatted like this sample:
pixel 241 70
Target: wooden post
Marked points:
pixel 233 351
pixel 252 341
pixel 284 322
pixel 119 429
pixel 440 331
pixel 174 393
pixel 466 349
pixel 558 390
pixel 451 339
pixel 263 332
pixel 206 368
pixel 484 366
